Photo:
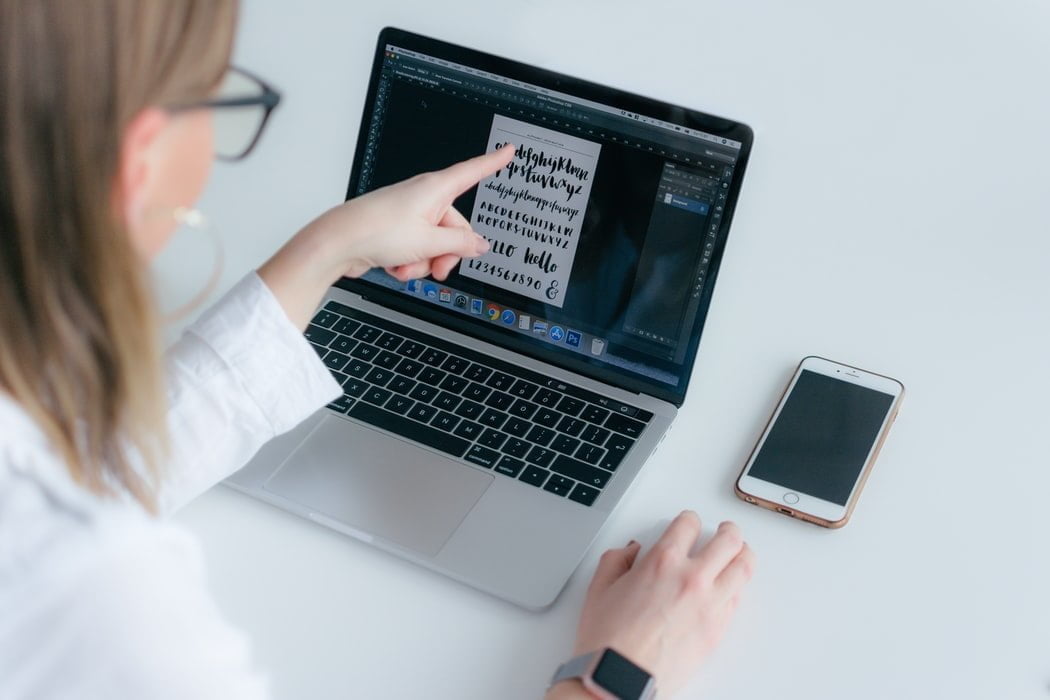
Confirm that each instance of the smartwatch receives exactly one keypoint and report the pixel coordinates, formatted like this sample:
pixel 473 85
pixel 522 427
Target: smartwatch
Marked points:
pixel 608 675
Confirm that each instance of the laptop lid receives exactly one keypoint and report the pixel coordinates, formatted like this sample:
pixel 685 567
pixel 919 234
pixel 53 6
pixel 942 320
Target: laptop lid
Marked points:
pixel 607 228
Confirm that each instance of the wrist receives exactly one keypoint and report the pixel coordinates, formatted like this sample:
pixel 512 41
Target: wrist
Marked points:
pixel 301 272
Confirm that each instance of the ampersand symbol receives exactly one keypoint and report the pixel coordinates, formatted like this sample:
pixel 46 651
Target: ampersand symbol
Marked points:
pixel 552 291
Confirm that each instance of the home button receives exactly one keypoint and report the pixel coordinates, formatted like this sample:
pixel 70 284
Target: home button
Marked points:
pixel 791 498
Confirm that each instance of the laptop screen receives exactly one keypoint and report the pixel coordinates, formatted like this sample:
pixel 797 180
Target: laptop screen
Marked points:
pixel 606 229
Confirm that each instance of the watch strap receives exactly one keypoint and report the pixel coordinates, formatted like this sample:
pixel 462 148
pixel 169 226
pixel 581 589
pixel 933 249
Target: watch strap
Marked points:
pixel 580 667
pixel 574 668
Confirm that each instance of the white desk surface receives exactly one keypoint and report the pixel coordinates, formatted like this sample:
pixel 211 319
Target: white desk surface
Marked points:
pixel 894 216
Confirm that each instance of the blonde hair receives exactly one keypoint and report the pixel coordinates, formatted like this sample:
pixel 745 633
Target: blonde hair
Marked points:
pixel 79 344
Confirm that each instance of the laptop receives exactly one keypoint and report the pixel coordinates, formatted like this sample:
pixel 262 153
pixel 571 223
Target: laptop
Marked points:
pixel 492 422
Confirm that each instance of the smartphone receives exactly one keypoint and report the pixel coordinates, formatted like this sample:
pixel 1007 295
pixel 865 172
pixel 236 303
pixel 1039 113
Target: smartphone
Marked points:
pixel 821 442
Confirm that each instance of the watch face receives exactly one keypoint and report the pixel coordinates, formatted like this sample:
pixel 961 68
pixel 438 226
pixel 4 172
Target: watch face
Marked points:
pixel 619 676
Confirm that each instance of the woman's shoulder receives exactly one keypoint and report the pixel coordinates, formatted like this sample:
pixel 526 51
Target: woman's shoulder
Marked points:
pixel 100 599
pixel 48 520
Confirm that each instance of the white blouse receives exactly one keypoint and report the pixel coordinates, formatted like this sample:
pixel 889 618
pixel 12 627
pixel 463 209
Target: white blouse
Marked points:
pixel 98 599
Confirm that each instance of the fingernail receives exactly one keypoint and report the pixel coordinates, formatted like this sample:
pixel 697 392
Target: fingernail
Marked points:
pixel 632 543
pixel 481 245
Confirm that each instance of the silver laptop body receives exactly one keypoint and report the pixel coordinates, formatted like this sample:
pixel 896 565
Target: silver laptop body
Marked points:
pixel 517 528
pixel 492 532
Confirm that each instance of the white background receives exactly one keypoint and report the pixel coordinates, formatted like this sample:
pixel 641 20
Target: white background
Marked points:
pixel 893 216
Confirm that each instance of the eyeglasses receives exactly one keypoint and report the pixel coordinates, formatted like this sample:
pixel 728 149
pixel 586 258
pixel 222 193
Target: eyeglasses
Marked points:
pixel 241 108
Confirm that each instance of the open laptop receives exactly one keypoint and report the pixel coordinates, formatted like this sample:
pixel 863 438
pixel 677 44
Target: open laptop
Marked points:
pixel 492 422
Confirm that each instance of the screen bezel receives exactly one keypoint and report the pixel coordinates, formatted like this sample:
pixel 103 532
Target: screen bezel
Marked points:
pixel 808 504
pixel 693 119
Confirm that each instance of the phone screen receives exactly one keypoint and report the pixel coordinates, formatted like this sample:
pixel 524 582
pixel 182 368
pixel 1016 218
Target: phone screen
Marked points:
pixel 822 437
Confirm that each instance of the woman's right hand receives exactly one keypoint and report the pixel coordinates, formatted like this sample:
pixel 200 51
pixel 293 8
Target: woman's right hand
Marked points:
pixel 666 611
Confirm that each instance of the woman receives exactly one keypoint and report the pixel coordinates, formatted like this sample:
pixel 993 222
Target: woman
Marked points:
pixel 106 138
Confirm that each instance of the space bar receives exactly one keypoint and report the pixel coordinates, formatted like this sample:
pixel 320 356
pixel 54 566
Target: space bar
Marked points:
pixel 410 429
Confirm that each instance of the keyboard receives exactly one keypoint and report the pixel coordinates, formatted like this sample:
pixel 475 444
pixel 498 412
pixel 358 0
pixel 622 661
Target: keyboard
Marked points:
pixel 566 440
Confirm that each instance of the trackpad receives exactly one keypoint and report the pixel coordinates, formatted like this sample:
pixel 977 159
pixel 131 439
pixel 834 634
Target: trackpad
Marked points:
pixel 379 484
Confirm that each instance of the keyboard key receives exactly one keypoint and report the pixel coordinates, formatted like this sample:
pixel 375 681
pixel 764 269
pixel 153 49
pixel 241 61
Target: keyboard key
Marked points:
pixel 432 357
pixel 411 348
pixel 589 453
pixel 547 397
pixel 325 318
pixel 492 438
pixel 540 435
pixel 335 360
pixel 618 445
pixel 447 401
pixel 399 404
pixel 409 368
pixel 470 409
pixel 534 475
pixel 454 364
pixel 523 389
pixel 500 380
pixel 594 414
pixel 365 351
pixel 401 385
pixel 498 399
pixel 517 427
pixel 509 466
pixel 570 405
pixel 319 350
pixel 422 412
pixel 357 367
pixel 399 425
pixel 625 425
pixel 340 377
pixel 483 456
pixel 379 376
pixel 625 410
pixel 431 376
pixel 571 426
pixel 377 396
pixel 346 326
pixel 493 418
pixel 516 447
pixel 476 392
pixel 318 335
pixel 547 417
pixel 343 344
pixel 558 485
pixel 565 444
pixel 468 429
pixel 592 476
pixel 583 494
pixel 595 435
pixel 342 404
pixel 387 359
pixel 523 408
pixel 477 373
pixel 454 384
pixel 445 421
pixel 355 387
pixel 541 456
pixel 367 333
pixel 423 393
pixel 389 341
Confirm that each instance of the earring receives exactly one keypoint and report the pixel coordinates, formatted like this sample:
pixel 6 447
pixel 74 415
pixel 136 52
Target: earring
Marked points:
pixel 195 220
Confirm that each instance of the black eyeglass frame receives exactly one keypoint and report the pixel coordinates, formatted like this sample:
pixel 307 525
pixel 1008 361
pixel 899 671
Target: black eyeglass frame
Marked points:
pixel 268 100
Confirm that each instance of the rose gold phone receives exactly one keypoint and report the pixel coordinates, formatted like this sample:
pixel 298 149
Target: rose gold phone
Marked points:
pixel 821 442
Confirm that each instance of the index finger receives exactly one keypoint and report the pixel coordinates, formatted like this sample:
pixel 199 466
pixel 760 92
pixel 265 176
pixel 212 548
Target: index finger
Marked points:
pixel 460 177
pixel 680 535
